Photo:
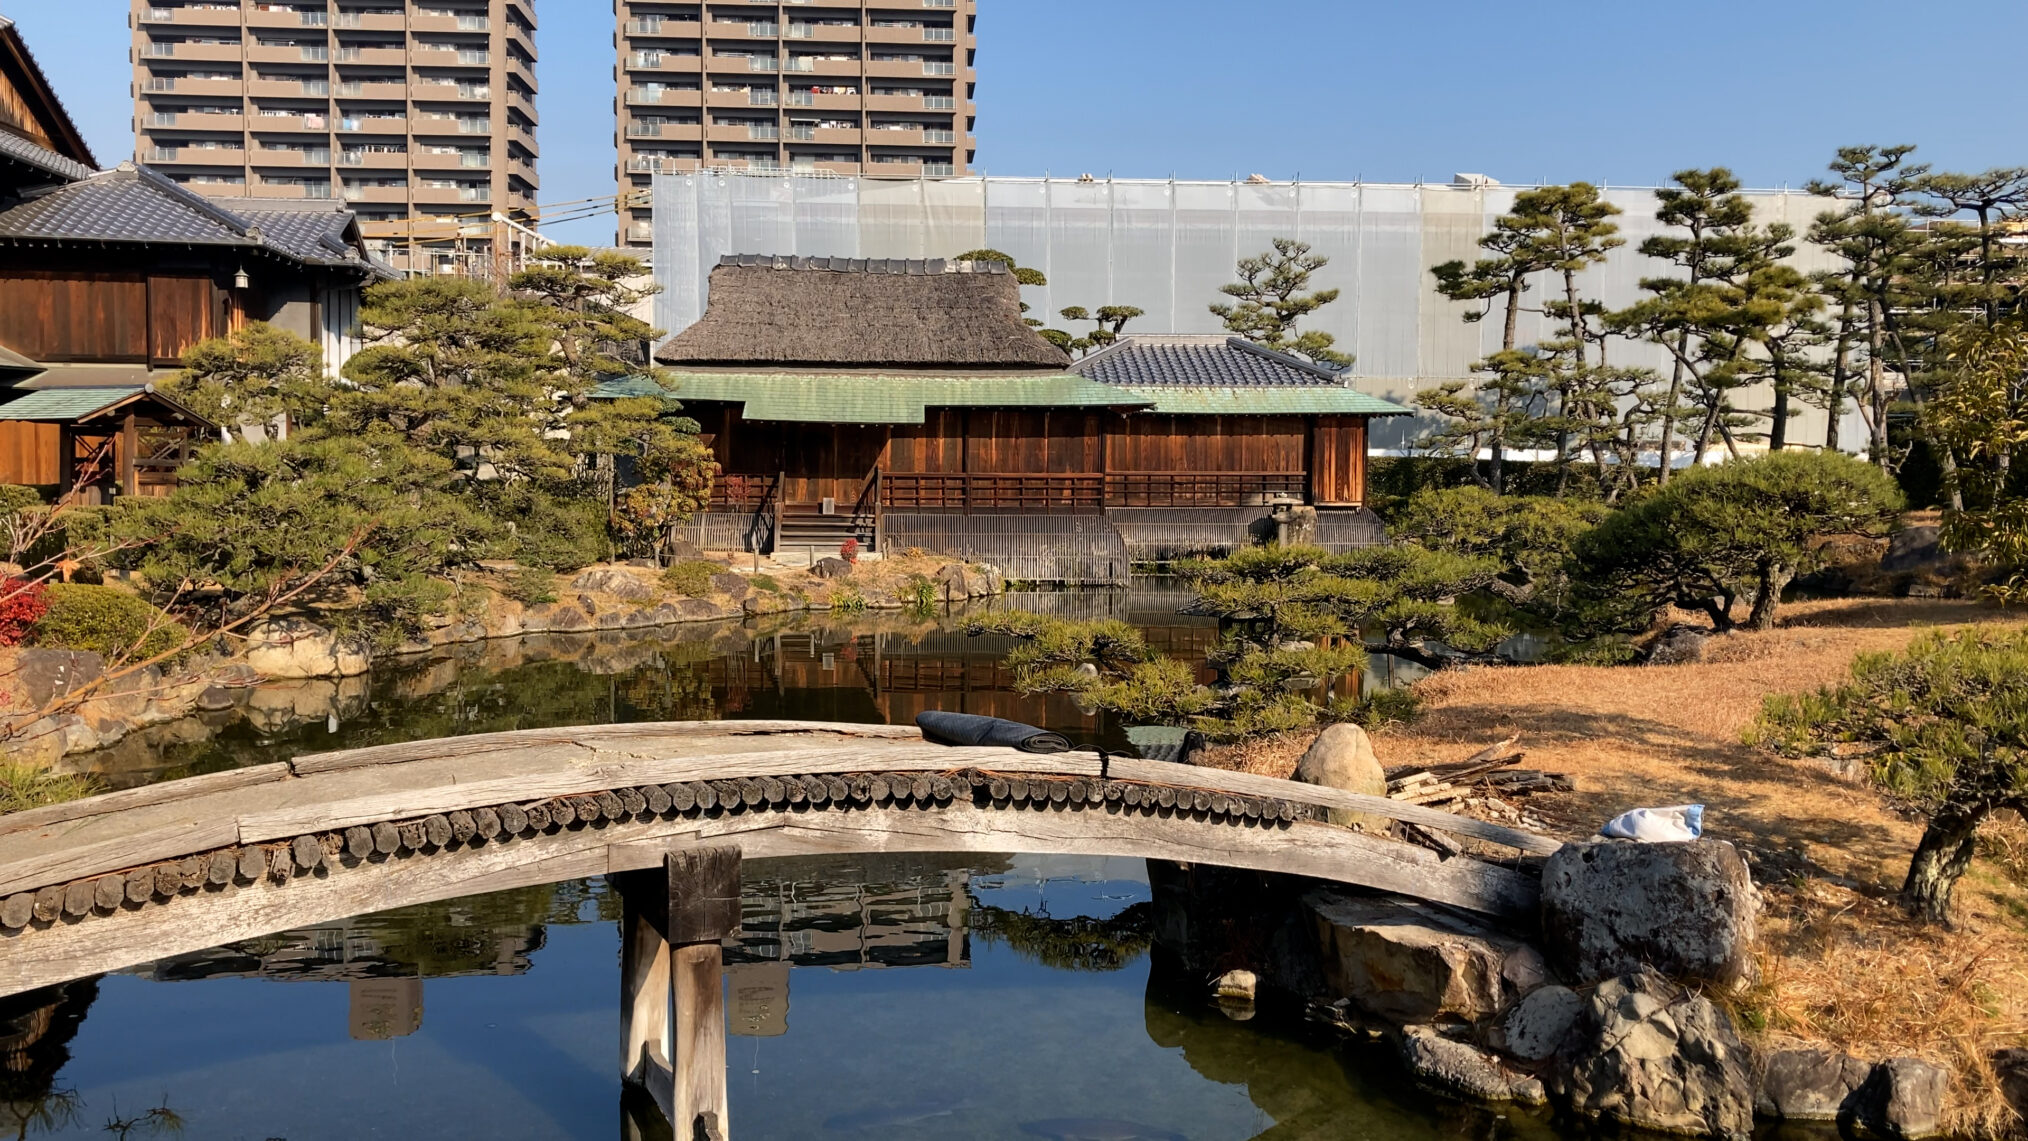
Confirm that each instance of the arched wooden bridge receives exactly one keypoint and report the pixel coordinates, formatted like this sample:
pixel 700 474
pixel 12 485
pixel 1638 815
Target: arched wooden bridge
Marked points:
pixel 115 880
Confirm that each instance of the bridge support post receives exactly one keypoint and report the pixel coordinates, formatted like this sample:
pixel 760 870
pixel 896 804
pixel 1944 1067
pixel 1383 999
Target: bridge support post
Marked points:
pixel 672 991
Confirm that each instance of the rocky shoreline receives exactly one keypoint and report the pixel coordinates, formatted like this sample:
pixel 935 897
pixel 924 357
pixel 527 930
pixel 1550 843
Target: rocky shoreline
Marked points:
pixel 297 648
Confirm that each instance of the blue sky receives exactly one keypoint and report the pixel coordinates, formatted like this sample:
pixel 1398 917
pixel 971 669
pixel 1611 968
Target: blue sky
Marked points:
pixel 1619 91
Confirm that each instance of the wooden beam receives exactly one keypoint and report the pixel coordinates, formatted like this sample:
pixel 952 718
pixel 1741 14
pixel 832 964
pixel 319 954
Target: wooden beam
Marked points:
pixel 130 447
pixel 165 792
pixel 703 894
pixel 698 1093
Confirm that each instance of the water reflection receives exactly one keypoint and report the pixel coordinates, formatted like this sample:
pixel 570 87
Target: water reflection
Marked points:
pixel 868 996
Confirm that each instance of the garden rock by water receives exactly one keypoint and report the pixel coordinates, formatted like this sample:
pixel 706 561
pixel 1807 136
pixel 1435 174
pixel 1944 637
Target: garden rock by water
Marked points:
pixel 297 648
pixel 1654 1055
pixel 1685 909
pixel 1808 1084
pixel 1541 1024
pixel 1409 962
pixel 1461 1068
pixel 1902 1100
pixel 1342 757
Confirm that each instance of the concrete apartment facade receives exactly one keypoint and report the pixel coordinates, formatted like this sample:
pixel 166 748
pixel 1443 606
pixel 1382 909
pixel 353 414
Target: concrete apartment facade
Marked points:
pixel 419 114
pixel 875 87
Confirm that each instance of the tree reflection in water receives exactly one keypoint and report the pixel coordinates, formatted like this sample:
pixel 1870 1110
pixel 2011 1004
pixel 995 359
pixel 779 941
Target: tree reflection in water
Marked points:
pixel 1079 943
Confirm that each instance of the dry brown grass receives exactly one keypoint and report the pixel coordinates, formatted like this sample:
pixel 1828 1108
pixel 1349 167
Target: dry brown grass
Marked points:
pixel 1840 965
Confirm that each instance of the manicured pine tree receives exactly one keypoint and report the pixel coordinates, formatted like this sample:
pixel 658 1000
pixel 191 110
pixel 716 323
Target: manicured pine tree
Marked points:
pixel 1273 299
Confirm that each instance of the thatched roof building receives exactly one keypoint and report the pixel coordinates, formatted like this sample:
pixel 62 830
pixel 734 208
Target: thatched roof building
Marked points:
pixel 855 313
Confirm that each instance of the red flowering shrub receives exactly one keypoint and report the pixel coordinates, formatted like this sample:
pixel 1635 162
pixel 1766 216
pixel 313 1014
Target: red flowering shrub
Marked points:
pixel 849 550
pixel 22 605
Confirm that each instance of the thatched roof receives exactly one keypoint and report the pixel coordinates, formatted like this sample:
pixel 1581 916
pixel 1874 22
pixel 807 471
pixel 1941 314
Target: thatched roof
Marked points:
pixel 858 313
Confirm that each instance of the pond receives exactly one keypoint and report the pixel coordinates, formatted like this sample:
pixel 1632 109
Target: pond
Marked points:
pixel 869 997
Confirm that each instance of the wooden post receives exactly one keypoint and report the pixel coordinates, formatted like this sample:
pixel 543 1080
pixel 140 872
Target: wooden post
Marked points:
pixel 66 455
pixel 130 443
pixel 672 989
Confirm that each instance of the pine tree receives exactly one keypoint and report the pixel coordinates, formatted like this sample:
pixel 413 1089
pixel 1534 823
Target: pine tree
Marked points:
pixel 1272 300
pixel 1570 231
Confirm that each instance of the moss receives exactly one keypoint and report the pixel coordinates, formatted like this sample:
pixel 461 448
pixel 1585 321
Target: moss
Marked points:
pixel 106 621
pixel 691 577
pixel 763 582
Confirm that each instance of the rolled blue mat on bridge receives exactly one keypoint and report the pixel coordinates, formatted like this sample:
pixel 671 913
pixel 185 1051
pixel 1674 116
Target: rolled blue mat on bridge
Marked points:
pixel 972 729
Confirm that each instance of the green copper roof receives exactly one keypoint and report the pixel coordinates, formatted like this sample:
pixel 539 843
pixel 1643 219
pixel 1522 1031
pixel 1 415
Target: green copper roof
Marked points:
pixel 1262 400
pixel 64 404
pixel 859 399
pixel 626 387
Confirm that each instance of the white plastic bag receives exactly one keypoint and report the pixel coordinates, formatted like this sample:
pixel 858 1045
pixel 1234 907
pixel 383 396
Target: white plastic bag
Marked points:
pixel 1657 825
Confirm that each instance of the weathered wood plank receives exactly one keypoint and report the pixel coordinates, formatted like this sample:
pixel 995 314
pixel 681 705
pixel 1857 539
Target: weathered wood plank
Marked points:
pixel 594 737
pixel 166 792
pixel 61 864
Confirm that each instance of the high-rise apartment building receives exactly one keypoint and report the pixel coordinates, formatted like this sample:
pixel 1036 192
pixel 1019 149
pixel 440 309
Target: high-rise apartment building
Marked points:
pixel 880 87
pixel 420 114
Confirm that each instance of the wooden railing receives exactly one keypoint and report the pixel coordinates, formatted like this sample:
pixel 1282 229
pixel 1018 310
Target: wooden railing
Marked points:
pixel 1199 489
pixel 976 491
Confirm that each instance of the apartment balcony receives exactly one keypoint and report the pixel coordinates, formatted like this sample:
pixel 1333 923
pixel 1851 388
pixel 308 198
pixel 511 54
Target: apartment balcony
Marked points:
pixel 447 165
pixel 654 61
pixel 257 52
pixel 467 23
pixel 835 136
pixel 287 89
pixel 369 21
pixel 358 125
pixel 372 89
pixel 661 164
pixel 188 52
pixel 742 133
pixel 279 158
pixel 192 17
pixel 432 55
pixel 232 157
pixel 895 36
pixel 832 68
pixel 194 121
pixel 669 97
pixel 450 195
pixel 230 88
pixel 823 33
pixel 377 57
pixel 291 190
pixel 816 102
pixel 373 160
pixel 894 137
pixel 381 194
pixel 823 166
pixel 909 103
pixel 762 97
pixel 670 132
pixel 281 17
pixel 670 27
pixel 438 90
pixel 450 125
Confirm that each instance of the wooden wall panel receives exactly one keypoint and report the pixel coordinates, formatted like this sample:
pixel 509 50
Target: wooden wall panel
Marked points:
pixel 61 316
pixel 1011 441
pixel 936 445
pixel 1145 443
pixel 28 453
pixel 181 312
pixel 1338 461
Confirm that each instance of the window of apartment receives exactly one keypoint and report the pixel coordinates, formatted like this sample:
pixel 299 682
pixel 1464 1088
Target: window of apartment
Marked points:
pixel 213 179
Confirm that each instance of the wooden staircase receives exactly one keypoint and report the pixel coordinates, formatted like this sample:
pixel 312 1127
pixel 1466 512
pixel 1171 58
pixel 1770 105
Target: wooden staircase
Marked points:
pixel 804 527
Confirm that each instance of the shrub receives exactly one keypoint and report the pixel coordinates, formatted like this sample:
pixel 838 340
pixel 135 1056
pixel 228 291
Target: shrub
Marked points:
pixel 764 582
pixel 692 577
pixel 1743 529
pixel 1944 728
pixel 848 600
pixel 24 786
pixel 106 621
pixel 1379 709
pixel 1532 536
pixel 919 595
pixel 849 550
pixel 554 532
pixel 531 586
pixel 23 602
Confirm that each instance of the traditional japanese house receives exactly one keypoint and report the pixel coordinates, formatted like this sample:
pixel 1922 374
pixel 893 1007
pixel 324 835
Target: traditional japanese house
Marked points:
pixel 908 404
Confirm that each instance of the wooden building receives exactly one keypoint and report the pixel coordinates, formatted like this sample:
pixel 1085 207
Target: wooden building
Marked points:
pixel 908 404
pixel 106 277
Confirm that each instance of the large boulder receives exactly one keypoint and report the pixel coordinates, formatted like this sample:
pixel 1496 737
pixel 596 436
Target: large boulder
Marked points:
pixel 1914 548
pixel 1342 757
pixel 1654 1055
pixel 1538 1027
pixel 730 584
pixel 42 676
pixel 1806 1083
pixel 619 582
pixel 1464 1069
pixel 831 566
pixel 1679 645
pixel 1686 909
pixel 1902 1100
pixel 295 648
pixel 1407 961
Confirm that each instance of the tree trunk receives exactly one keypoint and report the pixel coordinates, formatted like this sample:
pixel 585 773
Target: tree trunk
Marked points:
pixel 1778 428
pixel 1773 580
pixel 1943 854
pixel 1876 383
pixel 1668 443
pixel 1508 332
pixel 1840 376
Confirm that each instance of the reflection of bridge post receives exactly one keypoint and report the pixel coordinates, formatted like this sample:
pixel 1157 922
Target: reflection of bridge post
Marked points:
pixel 672 995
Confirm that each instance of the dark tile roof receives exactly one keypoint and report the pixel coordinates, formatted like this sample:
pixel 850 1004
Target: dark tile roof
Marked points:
pixel 1202 361
pixel 912 267
pixel 136 204
pixel 20 150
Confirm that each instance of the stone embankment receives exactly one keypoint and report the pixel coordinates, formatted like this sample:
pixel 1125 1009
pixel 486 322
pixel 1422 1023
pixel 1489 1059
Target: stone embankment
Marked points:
pixel 301 648
pixel 1614 1007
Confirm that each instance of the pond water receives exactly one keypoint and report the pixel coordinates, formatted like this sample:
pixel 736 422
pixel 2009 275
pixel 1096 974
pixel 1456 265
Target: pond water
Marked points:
pixel 870 997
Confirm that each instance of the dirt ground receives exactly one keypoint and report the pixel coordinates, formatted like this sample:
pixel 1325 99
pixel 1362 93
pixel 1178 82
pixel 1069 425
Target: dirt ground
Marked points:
pixel 1839 963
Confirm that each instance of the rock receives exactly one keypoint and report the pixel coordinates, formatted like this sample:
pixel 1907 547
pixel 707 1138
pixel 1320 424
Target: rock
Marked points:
pixel 559 617
pixel 1239 984
pixel 43 676
pixel 831 567
pixel 215 698
pixel 1679 645
pixel 1295 525
pixel 588 604
pixel 1685 909
pixel 644 618
pixel 1807 1084
pixel 699 610
pixel 615 581
pixel 293 648
pixel 1914 548
pixel 733 585
pixel 1539 1026
pixel 1903 1099
pixel 950 580
pixel 1342 758
pixel 1654 1055
pixel 1461 1068
pixel 1409 962
pixel 2011 1066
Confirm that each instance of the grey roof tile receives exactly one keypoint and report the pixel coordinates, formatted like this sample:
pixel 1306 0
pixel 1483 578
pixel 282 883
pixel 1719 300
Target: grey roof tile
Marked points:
pixel 1203 361
pixel 42 158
